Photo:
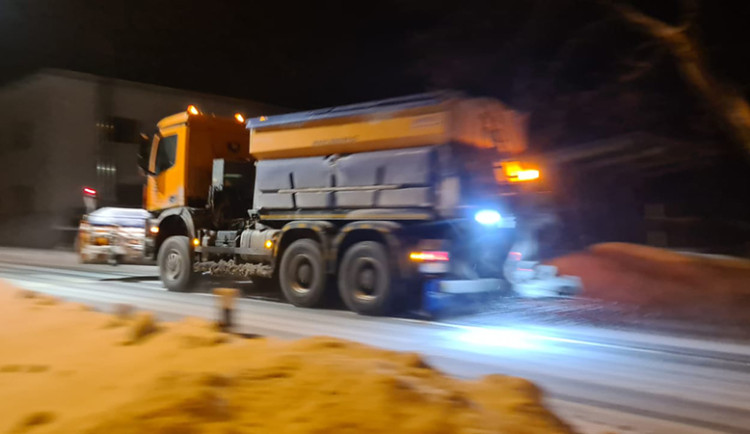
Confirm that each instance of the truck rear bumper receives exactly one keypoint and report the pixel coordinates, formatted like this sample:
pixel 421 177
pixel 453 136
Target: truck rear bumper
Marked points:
pixel 471 286
pixel 454 297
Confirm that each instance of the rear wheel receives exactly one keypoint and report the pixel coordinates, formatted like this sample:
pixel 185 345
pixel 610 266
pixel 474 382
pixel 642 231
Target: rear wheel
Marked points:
pixel 366 280
pixel 176 263
pixel 302 274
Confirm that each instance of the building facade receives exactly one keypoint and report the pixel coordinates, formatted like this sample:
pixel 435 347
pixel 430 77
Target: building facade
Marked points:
pixel 61 131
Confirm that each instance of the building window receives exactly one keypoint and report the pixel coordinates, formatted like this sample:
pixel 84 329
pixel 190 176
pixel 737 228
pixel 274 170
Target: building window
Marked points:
pixel 121 130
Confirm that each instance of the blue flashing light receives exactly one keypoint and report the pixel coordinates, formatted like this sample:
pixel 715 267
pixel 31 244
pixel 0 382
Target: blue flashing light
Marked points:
pixel 488 217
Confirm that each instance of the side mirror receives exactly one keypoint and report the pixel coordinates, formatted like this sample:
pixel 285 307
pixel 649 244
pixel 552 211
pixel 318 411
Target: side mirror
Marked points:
pixel 144 155
pixel 145 170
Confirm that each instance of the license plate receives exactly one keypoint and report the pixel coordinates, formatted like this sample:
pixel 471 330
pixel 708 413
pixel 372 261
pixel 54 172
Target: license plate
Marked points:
pixel 434 267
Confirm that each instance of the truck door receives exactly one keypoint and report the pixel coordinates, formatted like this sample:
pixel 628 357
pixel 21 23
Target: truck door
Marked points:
pixel 165 185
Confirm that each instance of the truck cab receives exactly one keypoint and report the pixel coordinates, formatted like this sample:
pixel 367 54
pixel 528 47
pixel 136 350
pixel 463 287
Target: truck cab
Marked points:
pixel 180 161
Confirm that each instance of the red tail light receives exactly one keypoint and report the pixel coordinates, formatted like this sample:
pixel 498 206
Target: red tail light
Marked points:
pixel 429 256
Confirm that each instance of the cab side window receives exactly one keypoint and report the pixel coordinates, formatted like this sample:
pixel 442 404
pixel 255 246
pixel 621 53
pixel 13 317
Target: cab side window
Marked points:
pixel 166 153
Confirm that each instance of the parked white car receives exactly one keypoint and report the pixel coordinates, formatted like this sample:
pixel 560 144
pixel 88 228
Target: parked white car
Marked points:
pixel 112 235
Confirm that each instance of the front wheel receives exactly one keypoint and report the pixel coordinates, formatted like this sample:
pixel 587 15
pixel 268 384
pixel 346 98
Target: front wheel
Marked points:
pixel 302 274
pixel 175 262
pixel 366 280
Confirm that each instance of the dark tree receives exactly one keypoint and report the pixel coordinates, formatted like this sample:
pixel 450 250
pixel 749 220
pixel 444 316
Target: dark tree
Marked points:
pixel 580 69
pixel 683 41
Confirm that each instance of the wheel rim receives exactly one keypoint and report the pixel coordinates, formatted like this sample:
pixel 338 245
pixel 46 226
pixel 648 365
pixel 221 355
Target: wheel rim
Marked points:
pixel 173 264
pixel 367 277
pixel 302 273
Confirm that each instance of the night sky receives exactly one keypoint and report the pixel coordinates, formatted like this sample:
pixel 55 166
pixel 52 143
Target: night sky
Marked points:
pixel 561 60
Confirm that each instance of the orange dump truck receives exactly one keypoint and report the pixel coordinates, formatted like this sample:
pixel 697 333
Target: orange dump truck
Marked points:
pixel 376 201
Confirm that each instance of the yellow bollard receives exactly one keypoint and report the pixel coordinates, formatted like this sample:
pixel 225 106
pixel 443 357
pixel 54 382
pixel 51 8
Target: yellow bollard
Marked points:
pixel 226 305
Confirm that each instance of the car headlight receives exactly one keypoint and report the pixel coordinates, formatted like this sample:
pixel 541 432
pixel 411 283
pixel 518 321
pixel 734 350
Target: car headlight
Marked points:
pixel 488 217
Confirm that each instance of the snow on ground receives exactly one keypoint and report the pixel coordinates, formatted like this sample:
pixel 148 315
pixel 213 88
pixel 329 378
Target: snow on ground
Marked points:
pixel 65 368
pixel 679 286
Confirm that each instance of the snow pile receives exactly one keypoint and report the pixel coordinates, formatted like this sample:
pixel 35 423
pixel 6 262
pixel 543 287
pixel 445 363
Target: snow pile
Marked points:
pixel 64 368
pixel 707 289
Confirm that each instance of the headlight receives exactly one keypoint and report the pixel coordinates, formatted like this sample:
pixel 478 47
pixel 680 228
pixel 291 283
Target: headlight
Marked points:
pixel 488 217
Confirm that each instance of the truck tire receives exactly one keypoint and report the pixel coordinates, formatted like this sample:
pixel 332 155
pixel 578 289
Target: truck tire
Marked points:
pixel 302 274
pixel 175 262
pixel 366 280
